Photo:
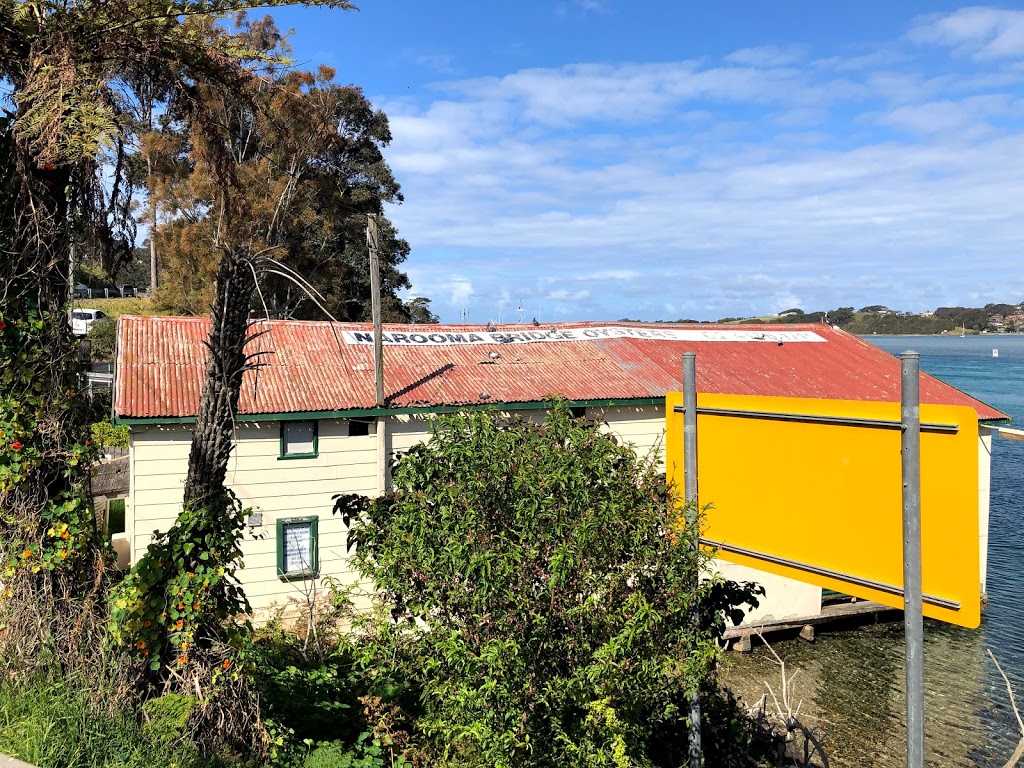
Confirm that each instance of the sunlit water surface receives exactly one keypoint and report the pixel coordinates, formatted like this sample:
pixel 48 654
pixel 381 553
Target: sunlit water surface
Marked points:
pixel 852 682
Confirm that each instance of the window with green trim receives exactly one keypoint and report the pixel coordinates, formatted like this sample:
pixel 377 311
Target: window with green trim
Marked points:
pixel 298 548
pixel 299 440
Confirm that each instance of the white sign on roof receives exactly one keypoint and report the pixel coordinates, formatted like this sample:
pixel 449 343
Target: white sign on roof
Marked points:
pixel 439 338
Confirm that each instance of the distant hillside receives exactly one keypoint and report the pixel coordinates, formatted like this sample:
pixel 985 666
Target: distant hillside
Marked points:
pixel 992 318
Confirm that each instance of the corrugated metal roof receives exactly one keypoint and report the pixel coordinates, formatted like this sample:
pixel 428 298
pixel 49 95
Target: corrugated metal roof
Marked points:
pixel 308 367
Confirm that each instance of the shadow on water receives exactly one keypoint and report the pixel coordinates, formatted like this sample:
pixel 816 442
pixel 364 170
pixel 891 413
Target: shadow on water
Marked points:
pixel 853 683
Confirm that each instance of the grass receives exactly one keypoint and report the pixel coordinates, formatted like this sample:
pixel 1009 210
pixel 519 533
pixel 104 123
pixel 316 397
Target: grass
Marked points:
pixel 117 307
pixel 51 724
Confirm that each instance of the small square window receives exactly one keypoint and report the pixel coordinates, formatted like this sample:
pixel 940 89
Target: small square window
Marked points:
pixel 358 427
pixel 298 548
pixel 298 440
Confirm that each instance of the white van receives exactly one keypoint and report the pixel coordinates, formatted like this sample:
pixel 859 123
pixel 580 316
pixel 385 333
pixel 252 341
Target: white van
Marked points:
pixel 82 320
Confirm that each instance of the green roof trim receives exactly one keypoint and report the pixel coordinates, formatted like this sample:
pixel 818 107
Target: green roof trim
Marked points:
pixel 354 413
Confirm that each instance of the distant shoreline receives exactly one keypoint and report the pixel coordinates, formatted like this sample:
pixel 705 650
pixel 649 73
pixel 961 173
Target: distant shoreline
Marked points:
pixel 939 335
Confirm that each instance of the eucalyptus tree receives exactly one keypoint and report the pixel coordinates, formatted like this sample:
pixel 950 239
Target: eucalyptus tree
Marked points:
pixel 310 174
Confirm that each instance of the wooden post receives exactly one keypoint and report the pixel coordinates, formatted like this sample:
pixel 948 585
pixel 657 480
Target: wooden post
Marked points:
pixel 378 341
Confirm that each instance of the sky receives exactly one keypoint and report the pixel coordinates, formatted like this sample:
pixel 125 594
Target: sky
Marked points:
pixel 657 160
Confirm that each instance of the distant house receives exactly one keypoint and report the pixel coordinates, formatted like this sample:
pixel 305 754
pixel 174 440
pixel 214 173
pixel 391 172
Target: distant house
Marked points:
pixel 308 427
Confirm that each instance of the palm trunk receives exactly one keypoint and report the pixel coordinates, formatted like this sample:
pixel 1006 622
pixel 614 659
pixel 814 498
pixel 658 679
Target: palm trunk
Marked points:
pixel 214 430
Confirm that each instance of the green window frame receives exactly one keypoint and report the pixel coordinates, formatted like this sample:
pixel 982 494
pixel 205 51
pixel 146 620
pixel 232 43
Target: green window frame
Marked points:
pixel 308 566
pixel 288 425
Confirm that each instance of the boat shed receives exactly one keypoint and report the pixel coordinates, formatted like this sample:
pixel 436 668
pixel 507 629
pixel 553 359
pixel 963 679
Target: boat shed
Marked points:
pixel 308 426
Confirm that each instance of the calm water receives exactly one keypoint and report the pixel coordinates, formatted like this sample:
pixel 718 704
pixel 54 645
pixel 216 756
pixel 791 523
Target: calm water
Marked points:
pixel 853 682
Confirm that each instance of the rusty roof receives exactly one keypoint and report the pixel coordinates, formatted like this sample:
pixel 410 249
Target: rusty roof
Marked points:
pixel 314 367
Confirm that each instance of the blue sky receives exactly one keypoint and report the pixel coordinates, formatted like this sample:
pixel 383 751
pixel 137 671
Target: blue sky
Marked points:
pixel 599 159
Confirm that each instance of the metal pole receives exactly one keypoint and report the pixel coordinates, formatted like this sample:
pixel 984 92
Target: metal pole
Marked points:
pixel 690 492
pixel 378 341
pixel 913 619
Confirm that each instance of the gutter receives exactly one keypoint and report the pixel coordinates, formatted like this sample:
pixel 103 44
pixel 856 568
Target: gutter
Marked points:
pixel 353 413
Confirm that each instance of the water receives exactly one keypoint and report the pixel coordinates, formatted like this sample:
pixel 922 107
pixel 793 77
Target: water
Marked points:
pixel 853 682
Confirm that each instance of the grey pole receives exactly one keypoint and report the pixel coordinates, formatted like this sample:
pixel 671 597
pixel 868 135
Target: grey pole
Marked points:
pixel 378 340
pixel 913 619
pixel 690 492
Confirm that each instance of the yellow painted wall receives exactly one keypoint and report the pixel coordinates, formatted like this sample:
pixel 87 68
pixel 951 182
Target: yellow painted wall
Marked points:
pixel 830 495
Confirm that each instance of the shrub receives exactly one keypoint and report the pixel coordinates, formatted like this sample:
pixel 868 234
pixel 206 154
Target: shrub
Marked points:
pixel 102 339
pixel 539 587
pixel 107 435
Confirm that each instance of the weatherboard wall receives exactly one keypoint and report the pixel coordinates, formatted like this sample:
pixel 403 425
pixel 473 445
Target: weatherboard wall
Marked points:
pixel 274 487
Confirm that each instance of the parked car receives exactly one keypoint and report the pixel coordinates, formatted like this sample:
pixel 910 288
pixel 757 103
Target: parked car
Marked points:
pixel 82 320
pixel 82 291
pixel 127 291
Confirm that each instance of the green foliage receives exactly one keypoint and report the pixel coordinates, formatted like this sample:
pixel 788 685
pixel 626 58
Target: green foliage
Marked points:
pixel 108 435
pixel 52 723
pixel 866 323
pixel 102 338
pixel 117 307
pixel 182 597
pixel 311 694
pixel 310 173
pixel 538 592
pixel 368 752
pixel 38 404
pixel 974 318
pixel 165 717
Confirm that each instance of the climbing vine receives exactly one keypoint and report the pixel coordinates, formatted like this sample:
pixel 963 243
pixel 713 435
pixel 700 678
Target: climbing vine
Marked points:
pixel 34 453
pixel 181 604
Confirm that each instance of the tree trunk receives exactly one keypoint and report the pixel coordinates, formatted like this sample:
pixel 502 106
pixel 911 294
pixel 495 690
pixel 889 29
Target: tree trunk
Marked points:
pixel 214 430
pixel 153 275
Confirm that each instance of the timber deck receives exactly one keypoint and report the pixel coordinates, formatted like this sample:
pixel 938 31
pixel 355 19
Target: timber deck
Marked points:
pixel 859 611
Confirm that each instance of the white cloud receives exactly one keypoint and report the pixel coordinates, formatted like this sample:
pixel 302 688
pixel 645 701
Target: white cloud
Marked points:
pixel 562 295
pixel 985 33
pixel 766 56
pixel 941 116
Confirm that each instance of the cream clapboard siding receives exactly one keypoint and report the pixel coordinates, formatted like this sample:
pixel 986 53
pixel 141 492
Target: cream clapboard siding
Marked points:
pixel 277 488
pixel 641 426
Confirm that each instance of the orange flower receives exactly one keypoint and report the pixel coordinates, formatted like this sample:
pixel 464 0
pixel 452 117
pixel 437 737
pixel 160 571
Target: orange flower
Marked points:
pixel 184 646
pixel 148 623
pixel 183 659
pixel 226 664
pixel 141 644
pixel 145 652
pixel 63 554
pixel 181 606
pixel 16 445
pixel 65 533
pixel 26 554
pixel 180 624
pixel 195 607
